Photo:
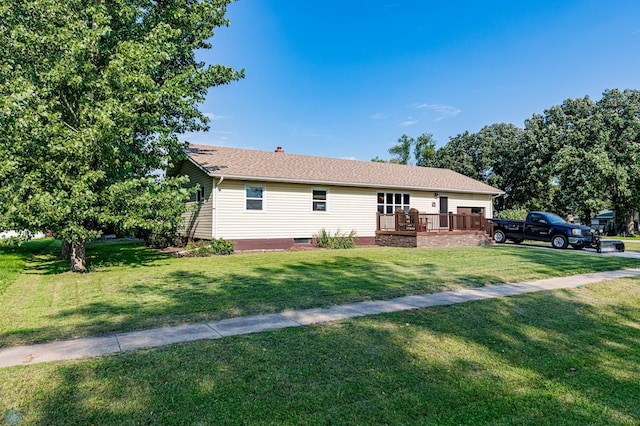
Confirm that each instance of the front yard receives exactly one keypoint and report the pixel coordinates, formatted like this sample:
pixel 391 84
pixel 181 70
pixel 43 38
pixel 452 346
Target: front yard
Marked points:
pixel 562 357
pixel 132 287
pixel 565 357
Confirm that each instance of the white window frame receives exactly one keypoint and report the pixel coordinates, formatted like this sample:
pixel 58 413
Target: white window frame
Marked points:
pixel 314 201
pixel 200 194
pixel 394 206
pixel 264 191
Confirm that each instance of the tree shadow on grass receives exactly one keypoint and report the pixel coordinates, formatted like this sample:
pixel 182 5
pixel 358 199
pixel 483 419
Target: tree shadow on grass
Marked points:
pixel 133 253
pixel 99 255
pixel 185 296
pixel 558 357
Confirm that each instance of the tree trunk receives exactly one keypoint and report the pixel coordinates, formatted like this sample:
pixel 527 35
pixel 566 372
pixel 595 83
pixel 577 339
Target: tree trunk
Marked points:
pixel 65 251
pixel 586 219
pixel 630 225
pixel 78 257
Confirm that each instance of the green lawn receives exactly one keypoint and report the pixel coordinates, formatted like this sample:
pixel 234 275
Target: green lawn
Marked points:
pixel 565 357
pixel 13 261
pixel 132 287
pixel 630 244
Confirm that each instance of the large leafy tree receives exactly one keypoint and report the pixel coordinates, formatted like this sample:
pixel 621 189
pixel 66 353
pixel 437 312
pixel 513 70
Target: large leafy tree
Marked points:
pixel 621 135
pixel 541 186
pixel 464 155
pixel 580 156
pixel 93 96
pixel 505 162
pixel 418 151
pixel 402 150
pixel 495 155
pixel 425 150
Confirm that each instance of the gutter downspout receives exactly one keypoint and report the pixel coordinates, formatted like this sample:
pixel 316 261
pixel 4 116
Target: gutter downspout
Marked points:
pixel 215 206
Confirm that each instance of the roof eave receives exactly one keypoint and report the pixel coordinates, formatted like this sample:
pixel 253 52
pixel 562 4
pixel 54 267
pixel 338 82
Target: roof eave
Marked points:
pixel 351 184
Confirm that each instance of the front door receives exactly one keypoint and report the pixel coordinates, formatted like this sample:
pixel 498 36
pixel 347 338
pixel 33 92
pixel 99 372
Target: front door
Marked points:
pixel 444 212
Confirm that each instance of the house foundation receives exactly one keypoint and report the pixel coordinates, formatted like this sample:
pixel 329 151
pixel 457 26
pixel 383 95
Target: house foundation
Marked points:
pixel 429 240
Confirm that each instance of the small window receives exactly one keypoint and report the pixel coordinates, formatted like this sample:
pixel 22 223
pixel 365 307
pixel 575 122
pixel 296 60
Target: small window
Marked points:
pixel 254 197
pixel 319 200
pixel 200 194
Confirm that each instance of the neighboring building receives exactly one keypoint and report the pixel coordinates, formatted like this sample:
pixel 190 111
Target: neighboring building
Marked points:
pixel 605 222
pixel 267 200
pixel 9 234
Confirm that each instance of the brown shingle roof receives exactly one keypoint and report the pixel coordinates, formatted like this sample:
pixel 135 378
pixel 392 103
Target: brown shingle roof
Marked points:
pixel 247 164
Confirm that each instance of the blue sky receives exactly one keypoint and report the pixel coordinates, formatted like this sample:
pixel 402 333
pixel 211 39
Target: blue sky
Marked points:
pixel 345 79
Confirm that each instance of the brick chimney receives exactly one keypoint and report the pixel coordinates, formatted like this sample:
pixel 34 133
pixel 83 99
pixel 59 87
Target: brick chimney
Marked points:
pixel 279 149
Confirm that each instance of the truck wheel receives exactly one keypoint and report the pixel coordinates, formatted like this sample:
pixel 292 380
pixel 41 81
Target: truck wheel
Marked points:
pixel 499 237
pixel 559 241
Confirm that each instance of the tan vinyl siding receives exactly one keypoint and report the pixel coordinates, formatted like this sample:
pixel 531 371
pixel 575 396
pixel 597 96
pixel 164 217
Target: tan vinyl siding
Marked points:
pixel 199 222
pixel 471 200
pixel 288 209
pixel 425 202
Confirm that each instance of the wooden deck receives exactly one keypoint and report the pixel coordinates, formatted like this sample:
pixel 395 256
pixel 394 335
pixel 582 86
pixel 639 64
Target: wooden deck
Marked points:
pixel 416 229
pixel 415 223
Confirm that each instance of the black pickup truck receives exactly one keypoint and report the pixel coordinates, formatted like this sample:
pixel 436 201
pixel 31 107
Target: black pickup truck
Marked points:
pixel 541 226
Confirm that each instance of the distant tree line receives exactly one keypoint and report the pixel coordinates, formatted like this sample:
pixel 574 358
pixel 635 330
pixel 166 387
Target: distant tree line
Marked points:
pixel 579 157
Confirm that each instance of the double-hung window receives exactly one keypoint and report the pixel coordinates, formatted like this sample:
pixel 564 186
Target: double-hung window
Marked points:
pixel 254 197
pixel 319 200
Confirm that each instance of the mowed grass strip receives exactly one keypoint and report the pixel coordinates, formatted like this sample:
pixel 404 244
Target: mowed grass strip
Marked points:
pixel 132 287
pixel 631 244
pixel 13 260
pixel 565 357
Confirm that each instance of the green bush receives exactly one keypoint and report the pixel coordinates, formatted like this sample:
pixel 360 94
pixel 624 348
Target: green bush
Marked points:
pixel 12 242
pixel 157 238
pixel 338 240
pixel 208 248
pixel 513 214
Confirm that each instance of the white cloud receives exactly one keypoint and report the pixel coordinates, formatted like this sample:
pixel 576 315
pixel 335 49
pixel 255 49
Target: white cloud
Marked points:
pixel 378 116
pixel 408 122
pixel 443 111
pixel 215 117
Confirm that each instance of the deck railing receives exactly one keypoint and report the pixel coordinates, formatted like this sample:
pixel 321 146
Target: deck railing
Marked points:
pixel 414 222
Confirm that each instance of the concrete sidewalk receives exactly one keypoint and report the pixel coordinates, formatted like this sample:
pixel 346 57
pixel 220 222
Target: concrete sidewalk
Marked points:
pixel 121 342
